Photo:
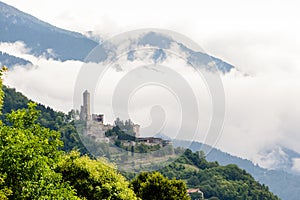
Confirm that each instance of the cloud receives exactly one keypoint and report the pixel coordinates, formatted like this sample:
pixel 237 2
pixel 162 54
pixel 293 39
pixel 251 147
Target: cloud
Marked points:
pixel 47 81
pixel 261 109
pixel 257 53
pixel 296 164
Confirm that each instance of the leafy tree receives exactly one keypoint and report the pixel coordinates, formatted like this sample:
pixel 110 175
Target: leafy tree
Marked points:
pixel 5 192
pixel 27 158
pixel 94 179
pixel 2 70
pixel 58 121
pixel 154 186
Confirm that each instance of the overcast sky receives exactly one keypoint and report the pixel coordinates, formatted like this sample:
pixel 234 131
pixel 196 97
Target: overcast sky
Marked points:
pixel 260 38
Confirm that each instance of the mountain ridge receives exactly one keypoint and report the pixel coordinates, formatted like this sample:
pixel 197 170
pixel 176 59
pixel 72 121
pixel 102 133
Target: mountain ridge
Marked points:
pixel 40 36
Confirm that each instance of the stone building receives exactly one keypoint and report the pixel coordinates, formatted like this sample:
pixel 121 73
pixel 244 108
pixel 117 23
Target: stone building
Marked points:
pixel 85 110
pixel 94 123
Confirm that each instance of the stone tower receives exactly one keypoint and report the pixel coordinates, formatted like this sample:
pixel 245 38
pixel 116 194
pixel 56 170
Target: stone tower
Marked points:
pixel 85 113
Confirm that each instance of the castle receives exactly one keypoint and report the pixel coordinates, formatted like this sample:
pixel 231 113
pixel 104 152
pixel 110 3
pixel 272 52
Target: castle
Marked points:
pixel 95 126
pixel 96 129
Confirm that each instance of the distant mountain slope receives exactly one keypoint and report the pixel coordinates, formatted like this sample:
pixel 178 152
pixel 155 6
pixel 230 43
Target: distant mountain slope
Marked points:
pixel 279 157
pixel 50 41
pixel 275 179
pixel 163 42
pixel 224 182
pixel 9 60
pixel 42 38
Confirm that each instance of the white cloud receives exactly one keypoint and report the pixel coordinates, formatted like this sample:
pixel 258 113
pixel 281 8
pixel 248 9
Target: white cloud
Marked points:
pixel 47 81
pixel 296 164
pixel 261 109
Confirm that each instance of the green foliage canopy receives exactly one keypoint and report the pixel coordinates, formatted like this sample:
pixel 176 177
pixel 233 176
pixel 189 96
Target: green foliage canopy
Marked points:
pixel 154 186
pixel 94 179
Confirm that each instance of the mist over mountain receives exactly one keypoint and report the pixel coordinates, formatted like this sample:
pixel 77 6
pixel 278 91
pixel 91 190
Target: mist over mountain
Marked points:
pixel 46 40
pixel 281 158
pixel 10 60
pixel 42 38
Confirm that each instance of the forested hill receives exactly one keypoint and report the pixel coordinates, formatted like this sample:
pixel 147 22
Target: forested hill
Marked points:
pixel 217 182
pixel 48 118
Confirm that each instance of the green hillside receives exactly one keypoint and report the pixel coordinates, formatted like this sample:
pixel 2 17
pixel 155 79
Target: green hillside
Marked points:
pixel 48 118
pixel 215 181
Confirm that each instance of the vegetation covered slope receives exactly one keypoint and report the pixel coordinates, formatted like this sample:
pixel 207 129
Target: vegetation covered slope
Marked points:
pixel 224 182
pixel 83 177
pixel 274 179
pixel 32 165
pixel 48 118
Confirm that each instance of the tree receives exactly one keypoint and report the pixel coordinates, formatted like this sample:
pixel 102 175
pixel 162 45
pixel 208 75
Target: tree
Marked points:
pixel 154 186
pixel 94 179
pixel 28 156
pixel 28 153
pixel 2 70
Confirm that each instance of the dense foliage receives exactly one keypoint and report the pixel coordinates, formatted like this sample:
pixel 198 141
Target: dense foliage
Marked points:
pixel 221 182
pixel 154 186
pixel 58 121
pixel 94 179
pixel 28 156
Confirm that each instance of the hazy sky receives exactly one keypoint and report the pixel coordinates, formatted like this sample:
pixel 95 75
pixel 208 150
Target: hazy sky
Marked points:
pixel 260 38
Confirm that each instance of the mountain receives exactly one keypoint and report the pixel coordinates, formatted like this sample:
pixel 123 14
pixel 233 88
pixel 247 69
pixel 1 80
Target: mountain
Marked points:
pixel 49 41
pixel 42 38
pixel 281 183
pixel 156 46
pixel 164 42
pixel 10 61
pixel 279 158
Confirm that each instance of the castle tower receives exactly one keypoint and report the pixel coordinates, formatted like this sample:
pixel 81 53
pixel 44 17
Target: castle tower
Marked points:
pixel 85 113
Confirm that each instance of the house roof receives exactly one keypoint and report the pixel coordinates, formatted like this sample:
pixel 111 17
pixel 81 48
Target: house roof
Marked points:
pixel 193 190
